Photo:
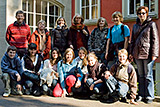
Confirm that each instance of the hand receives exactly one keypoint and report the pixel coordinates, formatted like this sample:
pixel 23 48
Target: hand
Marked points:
pixel 154 58
pixel 57 74
pixel 19 87
pixel 133 102
pixel 18 77
pixel 38 73
pixel 130 58
pixel 78 84
pixel 84 32
pixel 95 78
pixel 91 87
pixel 71 46
pixel 106 55
pixel 85 80
pixel 64 93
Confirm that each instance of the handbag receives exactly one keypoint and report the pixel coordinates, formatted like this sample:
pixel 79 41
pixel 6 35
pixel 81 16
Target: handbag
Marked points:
pixel 57 91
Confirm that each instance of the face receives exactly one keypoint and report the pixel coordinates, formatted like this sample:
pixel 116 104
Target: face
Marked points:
pixel 122 58
pixel 20 18
pixel 41 26
pixel 32 52
pixel 78 20
pixel 91 61
pixel 102 23
pixel 81 54
pixel 116 20
pixel 55 54
pixel 11 54
pixel 61 22
pixel 142 15
pixel 69 56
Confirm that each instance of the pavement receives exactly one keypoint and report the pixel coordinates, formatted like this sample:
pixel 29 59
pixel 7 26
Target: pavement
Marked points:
pixel 47 101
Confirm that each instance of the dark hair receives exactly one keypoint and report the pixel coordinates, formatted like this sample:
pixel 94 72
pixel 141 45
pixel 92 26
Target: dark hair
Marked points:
pixel 13 48
pixel 78 15
pixel 59 55
pixel 101 18
pixel 142 7
pixel 19 12
pixel 32 46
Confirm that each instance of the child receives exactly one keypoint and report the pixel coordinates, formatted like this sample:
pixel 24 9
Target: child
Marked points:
pixel 12 72
pixel 126 76
pixel 93 78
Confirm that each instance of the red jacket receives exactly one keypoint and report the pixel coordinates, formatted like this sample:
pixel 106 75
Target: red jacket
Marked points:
pixel 18 35
pixel 35 38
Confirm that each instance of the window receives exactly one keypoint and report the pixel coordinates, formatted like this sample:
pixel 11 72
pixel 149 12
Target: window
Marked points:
pixel 89 9
pixel 36 10
pixel 129 7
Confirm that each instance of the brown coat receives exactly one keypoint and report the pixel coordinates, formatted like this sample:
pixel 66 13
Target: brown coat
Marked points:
pixel 145 40
pixel 120 73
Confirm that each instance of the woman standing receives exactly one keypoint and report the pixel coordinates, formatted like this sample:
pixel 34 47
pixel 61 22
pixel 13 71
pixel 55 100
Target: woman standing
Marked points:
pixel 145 50
pixel 66 69
pixel 78 34
pixel 59 36
pixel 118 37
pixel 97 40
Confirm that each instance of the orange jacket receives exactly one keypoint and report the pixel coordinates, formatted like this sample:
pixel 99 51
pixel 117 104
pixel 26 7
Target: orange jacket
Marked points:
pixel 35 38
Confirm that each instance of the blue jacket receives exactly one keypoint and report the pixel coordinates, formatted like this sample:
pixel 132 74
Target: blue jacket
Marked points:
pixel 11 66
pixel 65 70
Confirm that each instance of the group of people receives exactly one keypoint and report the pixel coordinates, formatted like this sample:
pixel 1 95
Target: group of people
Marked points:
pixel 95 65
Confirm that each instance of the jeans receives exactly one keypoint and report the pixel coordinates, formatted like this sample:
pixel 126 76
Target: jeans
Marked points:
pixel 101 57
pixel 122 89
pixel 146 82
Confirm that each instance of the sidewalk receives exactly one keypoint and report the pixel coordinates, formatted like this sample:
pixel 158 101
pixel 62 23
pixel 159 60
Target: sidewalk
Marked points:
pixel 46 101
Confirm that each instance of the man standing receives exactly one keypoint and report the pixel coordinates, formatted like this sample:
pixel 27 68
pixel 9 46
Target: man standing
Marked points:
pixel 18 34
pixel 12 71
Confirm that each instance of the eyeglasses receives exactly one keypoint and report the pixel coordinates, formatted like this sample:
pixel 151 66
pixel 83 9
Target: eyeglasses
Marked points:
pixel 143 13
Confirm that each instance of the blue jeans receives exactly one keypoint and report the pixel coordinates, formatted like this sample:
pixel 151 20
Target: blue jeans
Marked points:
pixel 146 82
pixel 122 89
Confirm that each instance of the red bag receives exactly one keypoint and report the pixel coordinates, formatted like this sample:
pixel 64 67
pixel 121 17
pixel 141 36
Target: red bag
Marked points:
pixel 57 91
pixel 70 81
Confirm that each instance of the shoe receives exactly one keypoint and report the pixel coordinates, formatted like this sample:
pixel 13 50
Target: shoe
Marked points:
pixel 123 99
pixel 148 101
pixel 19 92
pixel 139 98
pixel 27 91
pixel 112 100
pixel 95 97
pixel 6 94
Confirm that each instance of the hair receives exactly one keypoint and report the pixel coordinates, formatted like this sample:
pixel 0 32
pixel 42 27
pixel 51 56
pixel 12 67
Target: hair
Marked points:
pixel 19 12
pixel 64 22
pixel 142 7
pixel 32 46
pixel 68 50
pixel 78 15
pixel 92 54
pixel 13 48
pixel 85 58
pixel 41 21
pixel 59 56
pixel 123 51
pixel 101 18
pixel 117 13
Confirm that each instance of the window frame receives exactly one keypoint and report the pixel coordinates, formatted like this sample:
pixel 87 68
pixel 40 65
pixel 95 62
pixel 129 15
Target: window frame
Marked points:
pixel 89 21
pixel 34 13
pixel 126 9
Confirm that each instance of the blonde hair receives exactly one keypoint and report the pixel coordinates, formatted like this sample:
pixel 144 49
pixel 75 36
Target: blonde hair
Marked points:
pixel 117 13
pixel 92 54
pixel 85 58
pixel 64 22
pixel 123 51
pixel 68 50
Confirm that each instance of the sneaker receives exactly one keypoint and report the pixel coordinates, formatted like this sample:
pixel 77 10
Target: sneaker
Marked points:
pixel 6 94
pixel 27 91
pixel 148 101
pixel 112 100
pixel 123 99
pixel 19 92
pixel 95 96
pixel 139 98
